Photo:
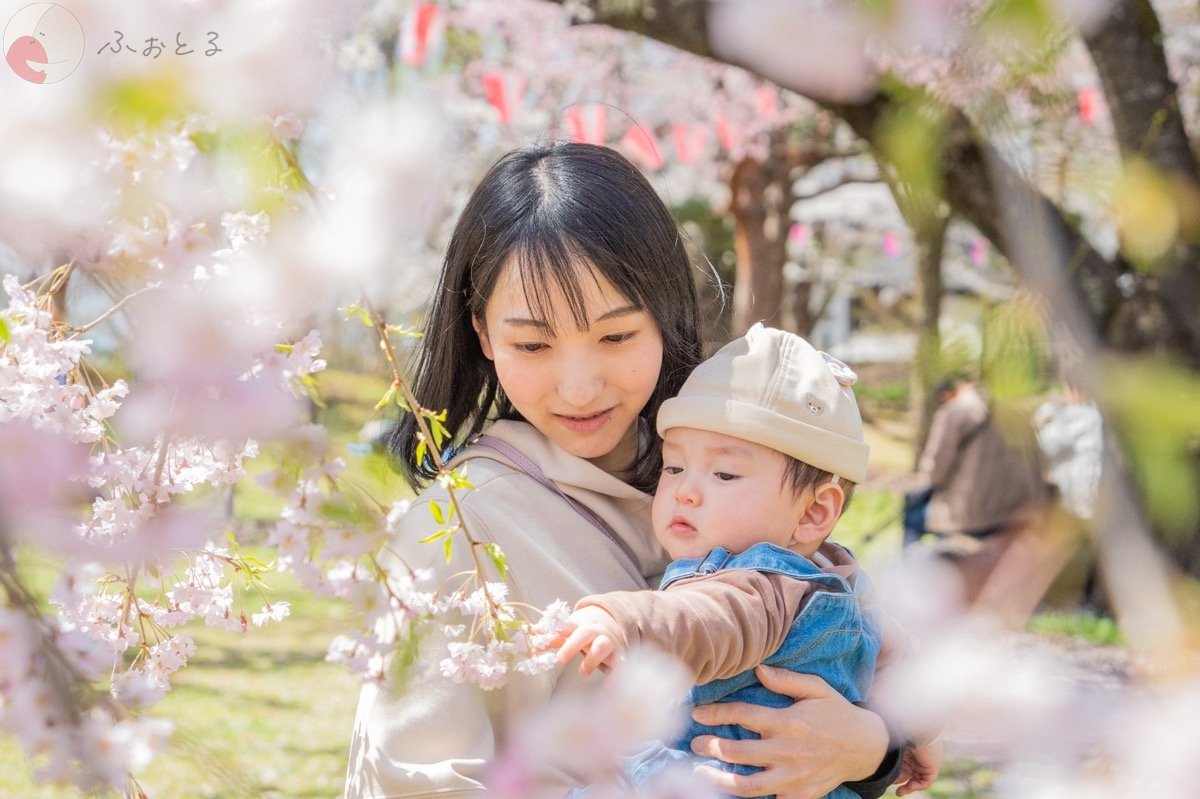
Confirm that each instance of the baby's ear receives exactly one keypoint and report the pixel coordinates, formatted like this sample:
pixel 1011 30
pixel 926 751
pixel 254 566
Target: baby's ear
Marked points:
pixel 818 518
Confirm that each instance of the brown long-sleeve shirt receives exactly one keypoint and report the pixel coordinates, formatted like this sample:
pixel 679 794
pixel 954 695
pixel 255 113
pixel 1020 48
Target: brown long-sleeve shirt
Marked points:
pixel 724 623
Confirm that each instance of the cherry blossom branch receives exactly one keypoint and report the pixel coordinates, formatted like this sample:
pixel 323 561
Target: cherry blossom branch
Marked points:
pixel 70 688
pixel 116 308
pixel 415 408
pixel 56 278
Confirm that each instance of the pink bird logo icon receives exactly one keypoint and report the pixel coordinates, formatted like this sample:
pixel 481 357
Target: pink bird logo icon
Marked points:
pixel 23 55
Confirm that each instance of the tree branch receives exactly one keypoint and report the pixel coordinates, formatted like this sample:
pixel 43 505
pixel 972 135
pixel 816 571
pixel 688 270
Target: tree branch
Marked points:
pixel 826 189
pixel 1144 101
pixel 971 190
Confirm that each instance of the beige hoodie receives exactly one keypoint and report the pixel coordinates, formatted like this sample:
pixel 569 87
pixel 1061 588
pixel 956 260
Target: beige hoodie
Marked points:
pixel 435 737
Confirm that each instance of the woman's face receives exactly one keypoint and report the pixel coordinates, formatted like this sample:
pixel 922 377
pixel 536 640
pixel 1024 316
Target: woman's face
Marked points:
pixel 583 389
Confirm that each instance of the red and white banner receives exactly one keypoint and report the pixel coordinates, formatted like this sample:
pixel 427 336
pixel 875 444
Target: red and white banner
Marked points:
pixel 690 141
pixel 588 123
pixel 641 145
pixel 1087 104
pixel 421 30
pixel 891 244
pixel 766 100
pixel 730 137
pixel 799 233
pixel 978 252
pixel 504 89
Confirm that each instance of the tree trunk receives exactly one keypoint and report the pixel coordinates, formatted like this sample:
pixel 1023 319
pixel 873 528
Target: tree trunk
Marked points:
pixel 760 198
pixel 1144 101
pixel 802 315
pixel 927 291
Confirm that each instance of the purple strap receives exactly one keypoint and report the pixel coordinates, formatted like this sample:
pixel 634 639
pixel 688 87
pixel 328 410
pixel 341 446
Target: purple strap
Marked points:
pixel 533 470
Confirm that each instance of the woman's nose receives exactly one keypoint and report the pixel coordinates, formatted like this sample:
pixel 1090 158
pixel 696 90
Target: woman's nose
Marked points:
pixel 580 383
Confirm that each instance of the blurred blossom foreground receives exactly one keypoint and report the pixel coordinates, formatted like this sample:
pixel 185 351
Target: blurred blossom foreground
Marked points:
pixel 176 236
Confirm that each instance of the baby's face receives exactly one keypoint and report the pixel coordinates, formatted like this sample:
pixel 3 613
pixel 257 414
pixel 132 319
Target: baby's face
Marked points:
pixel 716 490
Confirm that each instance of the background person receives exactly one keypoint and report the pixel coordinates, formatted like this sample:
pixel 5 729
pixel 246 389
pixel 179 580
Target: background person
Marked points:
pixel 987 493
pixel 1070 431
pixel 985 479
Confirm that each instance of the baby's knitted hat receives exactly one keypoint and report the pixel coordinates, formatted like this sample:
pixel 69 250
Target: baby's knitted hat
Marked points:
pixel 772 388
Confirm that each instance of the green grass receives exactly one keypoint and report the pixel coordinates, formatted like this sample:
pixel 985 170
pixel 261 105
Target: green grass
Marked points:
pixel 962 779
pixel 870 527
pixel 886 397
pixel 257 715
pixel 1089 627
pixel 366 471
pixel 350 399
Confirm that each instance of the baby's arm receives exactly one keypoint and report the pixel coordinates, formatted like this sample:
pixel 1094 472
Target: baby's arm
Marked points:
pixel 919 767
pixel 593 631
pixel 719 625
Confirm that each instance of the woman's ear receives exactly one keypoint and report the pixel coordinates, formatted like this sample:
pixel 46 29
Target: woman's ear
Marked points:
pixel 817 520
pixel 484 342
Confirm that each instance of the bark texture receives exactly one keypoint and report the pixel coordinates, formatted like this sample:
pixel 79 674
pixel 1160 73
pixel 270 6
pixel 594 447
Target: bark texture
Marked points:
pixel 1144 102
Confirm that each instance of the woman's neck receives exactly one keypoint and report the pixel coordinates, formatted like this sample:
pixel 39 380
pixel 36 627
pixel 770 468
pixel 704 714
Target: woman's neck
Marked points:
pixel 619 461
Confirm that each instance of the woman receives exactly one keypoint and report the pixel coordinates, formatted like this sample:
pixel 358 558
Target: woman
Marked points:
pixel 566 312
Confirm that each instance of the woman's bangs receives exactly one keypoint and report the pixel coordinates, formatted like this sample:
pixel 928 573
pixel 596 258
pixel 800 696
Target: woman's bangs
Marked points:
pixel 555 270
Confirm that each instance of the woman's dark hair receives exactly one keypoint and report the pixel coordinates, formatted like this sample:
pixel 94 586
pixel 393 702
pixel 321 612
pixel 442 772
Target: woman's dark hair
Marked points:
pixel 562 213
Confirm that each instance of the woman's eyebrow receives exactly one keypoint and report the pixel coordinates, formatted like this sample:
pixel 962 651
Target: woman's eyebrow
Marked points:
pixel 523 322
pixel 624 310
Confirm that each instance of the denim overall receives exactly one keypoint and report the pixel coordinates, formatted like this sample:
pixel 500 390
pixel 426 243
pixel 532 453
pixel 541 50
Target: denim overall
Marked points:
pixel 831 637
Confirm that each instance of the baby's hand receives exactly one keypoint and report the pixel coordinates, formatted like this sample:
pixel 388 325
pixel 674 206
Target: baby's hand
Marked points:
pixel 595 633
pixel 920 767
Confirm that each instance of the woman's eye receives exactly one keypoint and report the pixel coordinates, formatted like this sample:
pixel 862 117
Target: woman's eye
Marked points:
pixel 534 347
pixel 617 338
pixel 672 469
pixel 725 476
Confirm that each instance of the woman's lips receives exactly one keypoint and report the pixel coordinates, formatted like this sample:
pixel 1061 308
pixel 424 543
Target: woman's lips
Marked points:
pixel 584 425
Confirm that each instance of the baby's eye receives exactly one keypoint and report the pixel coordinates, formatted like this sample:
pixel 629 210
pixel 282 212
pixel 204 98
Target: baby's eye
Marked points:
pixel 617 338
pixel 725 476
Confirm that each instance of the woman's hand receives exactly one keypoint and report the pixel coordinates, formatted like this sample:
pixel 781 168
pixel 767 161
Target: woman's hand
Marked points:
pixel 807 749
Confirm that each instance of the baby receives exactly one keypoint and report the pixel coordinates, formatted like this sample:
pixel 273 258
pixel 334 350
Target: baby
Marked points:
pixel 762 449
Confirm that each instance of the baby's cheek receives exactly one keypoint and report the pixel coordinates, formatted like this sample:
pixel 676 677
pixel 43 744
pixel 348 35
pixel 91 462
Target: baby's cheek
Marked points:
pixel 658 506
